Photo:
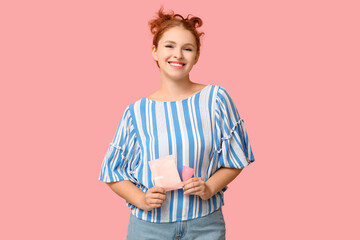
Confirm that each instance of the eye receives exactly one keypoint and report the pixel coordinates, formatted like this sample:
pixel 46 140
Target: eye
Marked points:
pixel 188 49
pixel 169 46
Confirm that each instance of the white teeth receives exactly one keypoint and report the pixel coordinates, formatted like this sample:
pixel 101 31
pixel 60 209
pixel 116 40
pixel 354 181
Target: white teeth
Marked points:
pixel 176 64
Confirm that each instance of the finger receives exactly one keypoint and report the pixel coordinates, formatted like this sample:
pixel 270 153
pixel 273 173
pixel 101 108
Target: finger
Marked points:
pixel 194 190
pixel 188 186
pixel 190 180
pixel 155 201
pixel 157 196
pixel 155 205
pixel 194 180
pixel 157 189
pixel 192 185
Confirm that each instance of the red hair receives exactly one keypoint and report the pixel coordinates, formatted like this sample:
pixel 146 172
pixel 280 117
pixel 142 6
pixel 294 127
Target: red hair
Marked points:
pixel 164 21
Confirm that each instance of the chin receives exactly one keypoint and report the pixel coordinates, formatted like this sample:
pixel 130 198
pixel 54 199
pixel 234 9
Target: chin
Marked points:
pixel 178 77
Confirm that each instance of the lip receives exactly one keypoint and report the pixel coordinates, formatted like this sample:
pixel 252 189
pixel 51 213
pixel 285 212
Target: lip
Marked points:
pixel 177 67
pixel 177 62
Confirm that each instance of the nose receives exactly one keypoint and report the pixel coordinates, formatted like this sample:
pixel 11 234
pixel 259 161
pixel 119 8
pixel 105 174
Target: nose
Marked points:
pixel 178 53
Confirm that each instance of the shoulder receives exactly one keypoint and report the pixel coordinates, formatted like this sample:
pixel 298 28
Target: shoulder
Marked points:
pixel 224 101
pixel 127 115
pixel 218 89
pixel 221 93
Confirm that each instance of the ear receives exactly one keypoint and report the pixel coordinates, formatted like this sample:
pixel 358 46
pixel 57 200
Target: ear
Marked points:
pixel 154 53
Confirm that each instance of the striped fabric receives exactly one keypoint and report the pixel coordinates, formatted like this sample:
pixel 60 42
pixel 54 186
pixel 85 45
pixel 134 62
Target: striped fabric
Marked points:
pixel 204 132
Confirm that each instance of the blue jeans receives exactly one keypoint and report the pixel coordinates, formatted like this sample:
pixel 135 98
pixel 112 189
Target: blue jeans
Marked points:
pixel 210 227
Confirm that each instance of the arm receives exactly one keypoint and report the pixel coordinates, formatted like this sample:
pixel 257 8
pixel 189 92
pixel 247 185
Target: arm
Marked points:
pixel 153 198
pixel 214 184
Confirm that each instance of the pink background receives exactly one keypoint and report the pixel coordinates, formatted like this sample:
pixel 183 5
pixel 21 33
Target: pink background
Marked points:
pixel 68 69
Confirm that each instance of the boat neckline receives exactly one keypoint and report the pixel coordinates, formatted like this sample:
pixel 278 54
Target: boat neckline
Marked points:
pixel 181 100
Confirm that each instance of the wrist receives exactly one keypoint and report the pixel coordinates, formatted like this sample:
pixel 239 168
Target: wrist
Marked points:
pixel 142 202
pixel 210 191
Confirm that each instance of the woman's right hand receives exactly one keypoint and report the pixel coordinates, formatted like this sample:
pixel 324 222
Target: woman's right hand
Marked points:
pixel 154 198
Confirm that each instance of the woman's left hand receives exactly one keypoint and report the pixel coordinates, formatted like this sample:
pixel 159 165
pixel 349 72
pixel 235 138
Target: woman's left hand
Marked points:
pixel 197 186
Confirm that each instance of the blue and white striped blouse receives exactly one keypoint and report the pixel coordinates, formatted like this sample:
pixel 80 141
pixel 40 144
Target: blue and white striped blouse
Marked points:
pixel 203 131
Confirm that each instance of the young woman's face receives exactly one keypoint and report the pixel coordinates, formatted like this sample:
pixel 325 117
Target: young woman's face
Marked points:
pixel 176 53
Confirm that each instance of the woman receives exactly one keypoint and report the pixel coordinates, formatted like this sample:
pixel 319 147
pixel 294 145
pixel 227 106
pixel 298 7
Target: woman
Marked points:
pixel 199 124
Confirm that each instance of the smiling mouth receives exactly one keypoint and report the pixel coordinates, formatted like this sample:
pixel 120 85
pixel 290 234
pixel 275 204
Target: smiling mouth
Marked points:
pixel 177 64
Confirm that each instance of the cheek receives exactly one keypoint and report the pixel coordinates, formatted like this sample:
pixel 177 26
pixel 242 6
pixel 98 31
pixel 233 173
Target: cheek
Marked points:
pixel 165 55
pixel 191 56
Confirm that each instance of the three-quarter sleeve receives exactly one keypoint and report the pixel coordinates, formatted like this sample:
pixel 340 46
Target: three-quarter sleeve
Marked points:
pixel 232 142
pixel 122 154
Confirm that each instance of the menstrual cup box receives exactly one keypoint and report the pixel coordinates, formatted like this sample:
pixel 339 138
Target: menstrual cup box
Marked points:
pixel 166 175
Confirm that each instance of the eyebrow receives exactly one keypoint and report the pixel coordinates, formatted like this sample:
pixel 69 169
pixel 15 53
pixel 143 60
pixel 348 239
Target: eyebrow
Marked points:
pixel 168 41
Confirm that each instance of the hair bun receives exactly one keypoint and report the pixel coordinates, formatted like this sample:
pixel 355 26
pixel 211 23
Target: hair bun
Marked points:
pixel 195 22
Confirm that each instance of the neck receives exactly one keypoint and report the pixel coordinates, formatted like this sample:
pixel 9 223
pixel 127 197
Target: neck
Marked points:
pixel 175 87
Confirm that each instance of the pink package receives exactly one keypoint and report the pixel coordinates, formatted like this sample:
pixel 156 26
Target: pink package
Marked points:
pixel 166 175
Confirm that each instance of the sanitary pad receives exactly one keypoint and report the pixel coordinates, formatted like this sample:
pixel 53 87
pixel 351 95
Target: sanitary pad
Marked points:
pixel 166 175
